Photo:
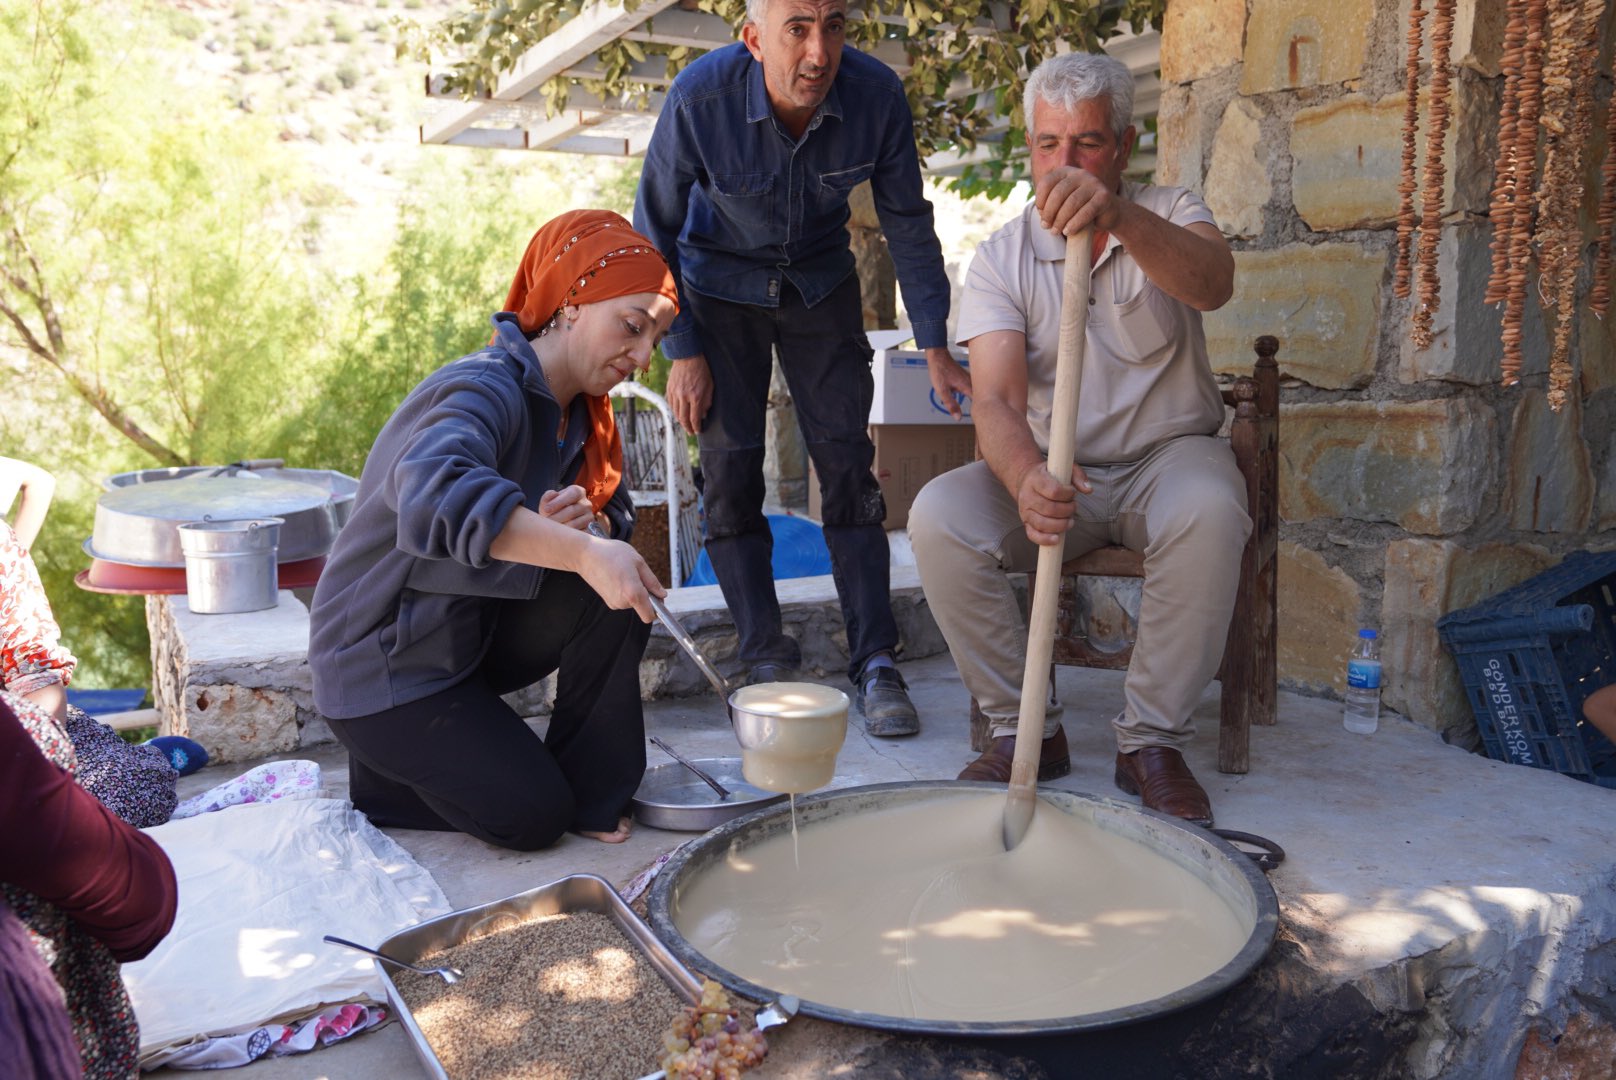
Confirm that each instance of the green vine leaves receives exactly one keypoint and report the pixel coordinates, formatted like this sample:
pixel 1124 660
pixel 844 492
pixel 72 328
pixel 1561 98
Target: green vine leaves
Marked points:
pixel 967 62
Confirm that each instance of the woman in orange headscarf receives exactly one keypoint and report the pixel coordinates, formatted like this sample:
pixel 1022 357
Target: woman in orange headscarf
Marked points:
pixel 485 550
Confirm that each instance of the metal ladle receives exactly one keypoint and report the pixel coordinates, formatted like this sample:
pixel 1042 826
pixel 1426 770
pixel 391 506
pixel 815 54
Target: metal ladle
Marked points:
pixel 688 643
pixel 723 792
pixel 447 974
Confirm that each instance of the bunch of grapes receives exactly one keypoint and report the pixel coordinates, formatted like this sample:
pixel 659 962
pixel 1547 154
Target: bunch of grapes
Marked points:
pixel 706 1042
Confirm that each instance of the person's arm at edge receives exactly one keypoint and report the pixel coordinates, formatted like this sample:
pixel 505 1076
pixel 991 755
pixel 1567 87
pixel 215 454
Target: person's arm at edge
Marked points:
pixel 36 487
pixel 33 661
pixel 110 878
pixel 660 206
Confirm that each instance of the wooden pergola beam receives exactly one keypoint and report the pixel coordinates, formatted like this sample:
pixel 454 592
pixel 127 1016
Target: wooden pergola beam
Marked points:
pixel 581 36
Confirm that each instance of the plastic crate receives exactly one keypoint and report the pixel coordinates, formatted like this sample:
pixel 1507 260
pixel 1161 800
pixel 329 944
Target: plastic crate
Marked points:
pixel 1531 655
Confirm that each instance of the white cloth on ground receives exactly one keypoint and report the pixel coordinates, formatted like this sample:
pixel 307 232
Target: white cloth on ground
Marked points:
pixel 259 886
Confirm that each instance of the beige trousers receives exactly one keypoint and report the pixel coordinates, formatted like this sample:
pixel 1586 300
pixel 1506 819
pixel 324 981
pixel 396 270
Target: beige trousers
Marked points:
pixel 1183 506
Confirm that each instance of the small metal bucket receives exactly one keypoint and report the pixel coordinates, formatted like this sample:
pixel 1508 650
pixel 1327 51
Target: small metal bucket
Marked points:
pixel 230 565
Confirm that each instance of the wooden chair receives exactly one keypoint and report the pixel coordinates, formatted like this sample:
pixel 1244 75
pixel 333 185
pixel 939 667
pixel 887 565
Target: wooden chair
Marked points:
pixel 1249 674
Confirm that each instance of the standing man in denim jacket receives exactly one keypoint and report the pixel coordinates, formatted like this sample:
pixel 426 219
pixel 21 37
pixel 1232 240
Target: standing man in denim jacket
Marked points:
pixel 745 191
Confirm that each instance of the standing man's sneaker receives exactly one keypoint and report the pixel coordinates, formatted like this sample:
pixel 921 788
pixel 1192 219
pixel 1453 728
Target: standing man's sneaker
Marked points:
pixel 883 698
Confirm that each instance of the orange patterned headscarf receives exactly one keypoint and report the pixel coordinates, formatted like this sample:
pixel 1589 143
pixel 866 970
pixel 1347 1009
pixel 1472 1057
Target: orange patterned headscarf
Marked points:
pixel 582 257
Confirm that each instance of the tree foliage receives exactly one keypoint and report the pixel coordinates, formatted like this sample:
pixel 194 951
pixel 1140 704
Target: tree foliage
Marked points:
pixel 157 305
pixel 143 247
pixel 987 48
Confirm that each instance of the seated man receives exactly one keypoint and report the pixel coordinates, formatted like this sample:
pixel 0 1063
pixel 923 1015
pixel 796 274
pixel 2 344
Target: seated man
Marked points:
pixel 1151 473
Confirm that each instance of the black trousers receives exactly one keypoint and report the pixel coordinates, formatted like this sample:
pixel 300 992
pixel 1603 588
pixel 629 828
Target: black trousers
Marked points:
pixel 826 360
pixel 462 760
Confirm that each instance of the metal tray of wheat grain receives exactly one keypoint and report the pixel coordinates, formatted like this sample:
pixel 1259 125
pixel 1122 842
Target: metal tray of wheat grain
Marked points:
pixel 569 895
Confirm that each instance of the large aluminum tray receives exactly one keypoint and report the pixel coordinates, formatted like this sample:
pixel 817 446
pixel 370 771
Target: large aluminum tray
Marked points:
pixel 575 893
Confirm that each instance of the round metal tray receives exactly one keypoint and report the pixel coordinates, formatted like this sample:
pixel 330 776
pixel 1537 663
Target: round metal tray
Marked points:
pixel 672 797
pixel 138 524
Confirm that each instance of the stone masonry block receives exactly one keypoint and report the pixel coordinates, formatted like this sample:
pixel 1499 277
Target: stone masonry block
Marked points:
pixel 1237 184
pixel 1478 35
pixel 1605 501
pixel 1179 138
pixel 1422 465
pixel 241 723
pixel 1424 580
pixel 1319 611
pixel 1200 37
pixel 1321 300
pixel 1294 43
pixel 1347 157
pixel 1465 333
pixel 1550 479
pixel 237 684
pixel 1596 346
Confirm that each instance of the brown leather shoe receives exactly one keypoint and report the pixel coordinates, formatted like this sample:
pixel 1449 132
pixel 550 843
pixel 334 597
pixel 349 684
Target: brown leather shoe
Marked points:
pixel 1054 760
pixel 1158 775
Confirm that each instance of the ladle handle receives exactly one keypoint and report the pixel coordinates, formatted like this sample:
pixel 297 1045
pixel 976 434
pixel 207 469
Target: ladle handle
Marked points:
pixel 354 945
pixel 723 792
pixel 688 643
pixel 1044 602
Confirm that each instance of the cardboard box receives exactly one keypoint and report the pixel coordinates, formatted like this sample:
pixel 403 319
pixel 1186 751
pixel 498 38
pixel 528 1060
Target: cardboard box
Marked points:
pixel 906 457
pixel 903 391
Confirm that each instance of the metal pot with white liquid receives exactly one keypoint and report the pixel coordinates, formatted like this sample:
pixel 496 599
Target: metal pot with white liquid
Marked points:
pixel 896 906
pixel 790 732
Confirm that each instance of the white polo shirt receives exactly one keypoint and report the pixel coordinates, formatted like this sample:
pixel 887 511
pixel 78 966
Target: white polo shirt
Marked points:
pixel 1146 377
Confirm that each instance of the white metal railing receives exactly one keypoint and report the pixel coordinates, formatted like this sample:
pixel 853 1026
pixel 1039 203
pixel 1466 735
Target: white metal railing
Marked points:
pixel 665 466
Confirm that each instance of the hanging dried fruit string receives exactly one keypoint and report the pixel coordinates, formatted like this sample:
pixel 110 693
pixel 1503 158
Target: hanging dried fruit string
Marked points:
pixel 1430 282
pixel 1567 124
pixel 1518 226
pixel 1507 171
pixel 1411 119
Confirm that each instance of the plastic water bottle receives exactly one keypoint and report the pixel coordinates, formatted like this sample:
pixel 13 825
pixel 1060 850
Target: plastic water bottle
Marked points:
pixel 1362 712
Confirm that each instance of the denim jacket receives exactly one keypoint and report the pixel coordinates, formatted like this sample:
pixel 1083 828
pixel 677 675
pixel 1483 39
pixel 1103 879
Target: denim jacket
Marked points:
pixel 738 206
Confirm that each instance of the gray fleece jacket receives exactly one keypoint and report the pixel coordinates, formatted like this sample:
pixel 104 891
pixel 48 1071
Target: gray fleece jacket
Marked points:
pixel 405 606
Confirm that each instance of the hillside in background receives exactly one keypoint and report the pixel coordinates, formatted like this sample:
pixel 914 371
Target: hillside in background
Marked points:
pixel 327 73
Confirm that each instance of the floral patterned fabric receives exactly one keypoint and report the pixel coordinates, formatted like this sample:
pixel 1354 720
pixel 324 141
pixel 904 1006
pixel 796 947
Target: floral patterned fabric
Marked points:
pixel 31 651
pixel 269 782
pixel 103 1020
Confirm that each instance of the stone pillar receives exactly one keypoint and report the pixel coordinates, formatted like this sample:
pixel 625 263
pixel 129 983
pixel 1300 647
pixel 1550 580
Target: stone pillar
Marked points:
pixel 878 278
pixel 237 684
pixel 785 455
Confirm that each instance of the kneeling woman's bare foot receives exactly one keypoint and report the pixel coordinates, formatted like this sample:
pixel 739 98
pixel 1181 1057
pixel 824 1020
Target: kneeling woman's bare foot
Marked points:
pixel 616 836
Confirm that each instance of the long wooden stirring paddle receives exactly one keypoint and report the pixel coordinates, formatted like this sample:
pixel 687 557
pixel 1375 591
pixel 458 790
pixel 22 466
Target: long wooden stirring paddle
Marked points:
pixel 1018 807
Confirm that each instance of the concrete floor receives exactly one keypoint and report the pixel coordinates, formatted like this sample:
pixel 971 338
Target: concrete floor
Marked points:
pixel 1434 905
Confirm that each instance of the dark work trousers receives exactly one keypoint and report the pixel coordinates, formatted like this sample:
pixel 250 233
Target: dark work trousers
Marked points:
pixel 463 760
pixel 826 360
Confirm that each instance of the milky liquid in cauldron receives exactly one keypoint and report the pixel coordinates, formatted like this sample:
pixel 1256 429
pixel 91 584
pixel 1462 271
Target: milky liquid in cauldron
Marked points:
pixel 917 911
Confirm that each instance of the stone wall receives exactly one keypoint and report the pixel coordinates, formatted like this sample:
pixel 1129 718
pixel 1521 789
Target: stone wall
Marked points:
pixel 1411 483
